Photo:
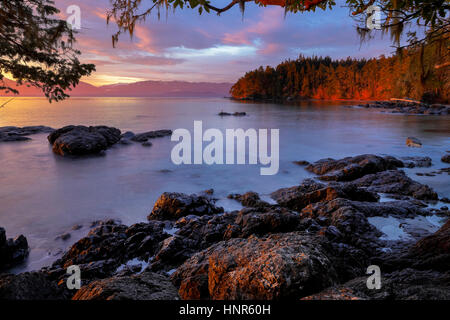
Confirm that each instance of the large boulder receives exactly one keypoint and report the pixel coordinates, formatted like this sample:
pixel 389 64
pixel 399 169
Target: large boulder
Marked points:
pixel 173 205
pixel 144 286
pixel 280 266
pixel 12 251
pixel 81 140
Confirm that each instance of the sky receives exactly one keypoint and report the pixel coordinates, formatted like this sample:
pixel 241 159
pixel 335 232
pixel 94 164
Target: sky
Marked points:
pixel 186 46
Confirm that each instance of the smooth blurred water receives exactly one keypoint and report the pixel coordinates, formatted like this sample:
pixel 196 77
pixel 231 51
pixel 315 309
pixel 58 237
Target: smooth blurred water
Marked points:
pixel 43 195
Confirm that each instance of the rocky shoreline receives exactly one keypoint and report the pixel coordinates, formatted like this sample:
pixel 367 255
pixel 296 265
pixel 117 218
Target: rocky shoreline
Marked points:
pixel 315 241
pixel 408 107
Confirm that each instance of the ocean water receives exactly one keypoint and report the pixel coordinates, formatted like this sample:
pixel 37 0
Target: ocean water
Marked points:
pixel 43 195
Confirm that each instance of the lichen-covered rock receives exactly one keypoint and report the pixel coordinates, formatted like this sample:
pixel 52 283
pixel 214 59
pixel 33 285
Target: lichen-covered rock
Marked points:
pixel 173 205
pixel 144 286
pixel 81 140
pixel 288 265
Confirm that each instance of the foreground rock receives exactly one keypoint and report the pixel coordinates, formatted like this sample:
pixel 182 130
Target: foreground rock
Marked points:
pixel 81 140
pixel 279 266
pixel 8 134
pixel 144 286
pixel 172 206
pixel 30 286
pixel 12 251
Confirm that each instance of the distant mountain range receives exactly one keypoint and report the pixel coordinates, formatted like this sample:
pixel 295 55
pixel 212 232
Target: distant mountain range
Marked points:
pixel 137 89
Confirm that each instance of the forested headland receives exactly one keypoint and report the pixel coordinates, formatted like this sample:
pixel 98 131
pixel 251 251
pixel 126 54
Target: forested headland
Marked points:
pixel 420 73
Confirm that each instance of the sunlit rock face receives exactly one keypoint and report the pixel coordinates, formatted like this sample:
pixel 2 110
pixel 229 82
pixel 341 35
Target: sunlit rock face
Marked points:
pixel 273 267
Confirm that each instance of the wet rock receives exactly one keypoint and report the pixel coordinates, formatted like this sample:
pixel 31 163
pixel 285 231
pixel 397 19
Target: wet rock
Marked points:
pixel 289 265
pixel 12 251
pixel 446 158
pixel 30 286
pixel 111 244
pixel 236 114
pixel 81 140
pixel 302 163
pixel 296 198
pixel 251 221
pixel 64 237
pixel 145 286
pixel 412 162
pixel 249 199
pixel 19 134
pixel 143 137
pixel 351 168
pixel 396 182
pixel 432 252
pixel 172 206
pixel 413 142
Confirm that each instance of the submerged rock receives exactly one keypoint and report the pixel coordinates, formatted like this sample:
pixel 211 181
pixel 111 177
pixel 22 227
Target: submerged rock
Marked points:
pixel 446 158
pixel 412 162
pixel 413 142
pixel 143 137
pixel 173 205
pixel 81 140
pixel 20 134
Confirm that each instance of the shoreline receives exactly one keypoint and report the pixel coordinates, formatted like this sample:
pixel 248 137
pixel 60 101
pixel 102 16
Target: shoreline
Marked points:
pixel 183 228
